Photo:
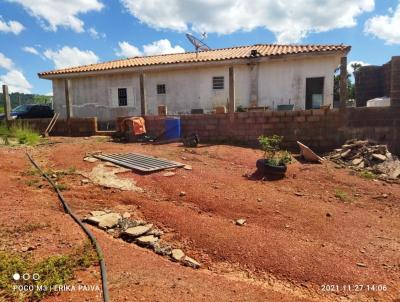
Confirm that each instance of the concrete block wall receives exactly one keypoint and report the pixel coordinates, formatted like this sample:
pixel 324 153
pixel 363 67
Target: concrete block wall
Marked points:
pixel 320 129
pixel 378 81
pixel 78 126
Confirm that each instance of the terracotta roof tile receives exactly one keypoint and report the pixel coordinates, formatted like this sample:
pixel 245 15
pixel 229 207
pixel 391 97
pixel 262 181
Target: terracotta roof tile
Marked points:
pixel 240 52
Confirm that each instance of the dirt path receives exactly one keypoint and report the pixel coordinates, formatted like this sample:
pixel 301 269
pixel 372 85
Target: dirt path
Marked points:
pixel 299 235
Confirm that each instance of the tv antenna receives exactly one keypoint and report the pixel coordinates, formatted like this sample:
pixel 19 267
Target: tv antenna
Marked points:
pixel 198 44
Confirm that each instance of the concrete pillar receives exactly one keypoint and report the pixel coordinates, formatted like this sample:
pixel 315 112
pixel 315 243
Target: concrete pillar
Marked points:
pixel 395 82
pixel 142 96
pixel 343 82
pixel 254 84
pixel 7 105
pixel 231 102
pixel 68 104
pixel 68 101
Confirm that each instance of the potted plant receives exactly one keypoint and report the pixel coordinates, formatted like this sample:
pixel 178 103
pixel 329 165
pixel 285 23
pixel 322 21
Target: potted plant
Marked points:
pixel 275 160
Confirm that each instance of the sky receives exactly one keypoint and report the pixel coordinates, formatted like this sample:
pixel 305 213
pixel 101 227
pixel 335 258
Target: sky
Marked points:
pixel 40 35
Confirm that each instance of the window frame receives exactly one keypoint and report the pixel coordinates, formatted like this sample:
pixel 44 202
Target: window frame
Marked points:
pixel 216 82
pixel 122 99
pixel 161 89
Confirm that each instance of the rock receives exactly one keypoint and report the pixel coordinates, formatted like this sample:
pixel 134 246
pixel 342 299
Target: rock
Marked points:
pixel 84 181
pixel 147 241
pixel 187 167
pixel 177 254
pixel 385 195
pixel 90 159
pixel 164 250
pixel 169 174
pixel 24 249
pixel 259 200
pixel 138 230
pixel 105 221
pixel 361 264
pixel 379 157
pixel 182 193
pixel 187 261
pixel 357 161
pixel 155 232
pixel 126 215
pixel 328 214
pixel 298 194
pixel 97 213
pixel 345 153
pixel 240 222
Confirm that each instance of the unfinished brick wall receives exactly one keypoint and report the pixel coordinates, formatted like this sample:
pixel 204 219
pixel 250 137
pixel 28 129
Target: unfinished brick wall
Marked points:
pixel 321 129
pixel 78 126
pixel 377 81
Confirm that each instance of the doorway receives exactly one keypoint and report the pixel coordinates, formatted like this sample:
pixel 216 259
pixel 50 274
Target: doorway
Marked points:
pixel 314 92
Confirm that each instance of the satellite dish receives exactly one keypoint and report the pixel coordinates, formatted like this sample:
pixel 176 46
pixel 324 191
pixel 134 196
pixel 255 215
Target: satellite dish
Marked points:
pixel 197 43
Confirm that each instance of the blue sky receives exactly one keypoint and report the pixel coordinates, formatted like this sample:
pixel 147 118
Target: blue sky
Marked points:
pixel 38 35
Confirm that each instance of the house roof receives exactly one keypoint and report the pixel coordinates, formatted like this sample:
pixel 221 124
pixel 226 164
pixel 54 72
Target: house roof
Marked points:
pixel 240 52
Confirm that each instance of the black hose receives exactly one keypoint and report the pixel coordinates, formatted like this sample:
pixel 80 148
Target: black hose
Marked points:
pixel 67 210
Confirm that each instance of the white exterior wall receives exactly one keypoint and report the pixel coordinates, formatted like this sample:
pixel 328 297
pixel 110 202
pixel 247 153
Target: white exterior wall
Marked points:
pixel 191 88
pixel 282 81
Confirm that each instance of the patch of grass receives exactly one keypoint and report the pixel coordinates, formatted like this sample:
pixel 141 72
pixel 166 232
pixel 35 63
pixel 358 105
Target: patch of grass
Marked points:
pixel 62 187
pixel 23 134
pixel 367 175
pixel 342 195
pixel 55 270
pixel 32 182
pixel 30 227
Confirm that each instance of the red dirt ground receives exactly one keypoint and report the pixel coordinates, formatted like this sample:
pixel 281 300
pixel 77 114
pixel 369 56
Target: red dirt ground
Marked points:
pixel 299 235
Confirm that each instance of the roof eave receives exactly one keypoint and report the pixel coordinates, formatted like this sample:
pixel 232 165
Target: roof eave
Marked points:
pixel 183 65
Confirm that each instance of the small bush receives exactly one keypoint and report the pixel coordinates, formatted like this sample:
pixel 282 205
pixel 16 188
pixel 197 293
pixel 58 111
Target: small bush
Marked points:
pixel 272 151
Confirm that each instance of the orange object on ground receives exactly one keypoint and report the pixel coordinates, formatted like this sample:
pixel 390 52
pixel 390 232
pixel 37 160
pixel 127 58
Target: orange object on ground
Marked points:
pixel 137 125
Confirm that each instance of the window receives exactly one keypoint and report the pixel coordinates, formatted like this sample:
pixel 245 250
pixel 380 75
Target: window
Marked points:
pixel 161 89
pixel 122 97
pixel 218 82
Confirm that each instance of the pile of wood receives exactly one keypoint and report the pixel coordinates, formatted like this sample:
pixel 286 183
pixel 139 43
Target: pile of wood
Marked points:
pixel 369 156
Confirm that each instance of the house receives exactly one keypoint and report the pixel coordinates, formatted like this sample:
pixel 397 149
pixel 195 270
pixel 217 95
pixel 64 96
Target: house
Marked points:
pixel 248 76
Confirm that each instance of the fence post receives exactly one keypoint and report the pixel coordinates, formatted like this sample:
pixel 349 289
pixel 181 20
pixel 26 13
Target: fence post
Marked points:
pixel 7 105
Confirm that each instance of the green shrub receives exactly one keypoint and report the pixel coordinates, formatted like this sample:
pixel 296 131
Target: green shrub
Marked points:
pixel 272 151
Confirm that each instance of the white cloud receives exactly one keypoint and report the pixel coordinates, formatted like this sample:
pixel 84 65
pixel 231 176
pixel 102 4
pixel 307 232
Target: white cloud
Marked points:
pixel 14 78
pixel 127 50
pixel 350 68
pixel 16 81
pixel 5 62
pixel 11 27
pixel 70 56
pixel 55 13
pixel 162 46
pixel 31 50
pixel 95 34
pixel 289 20
pixel 385 27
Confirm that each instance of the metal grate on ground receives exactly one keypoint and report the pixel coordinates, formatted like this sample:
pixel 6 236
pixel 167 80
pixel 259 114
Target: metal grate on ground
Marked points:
pixel 139 162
